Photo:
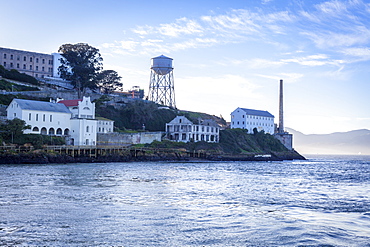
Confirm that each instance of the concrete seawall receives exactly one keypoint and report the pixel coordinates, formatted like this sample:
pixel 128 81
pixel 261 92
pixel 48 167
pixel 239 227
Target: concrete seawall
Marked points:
pixel 117 138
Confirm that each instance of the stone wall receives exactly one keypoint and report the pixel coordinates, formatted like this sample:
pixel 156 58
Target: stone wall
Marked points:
pixel 118 139
pixel 286 139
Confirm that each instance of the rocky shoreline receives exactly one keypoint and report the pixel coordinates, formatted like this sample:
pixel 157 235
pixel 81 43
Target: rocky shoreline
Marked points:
pixel 52 158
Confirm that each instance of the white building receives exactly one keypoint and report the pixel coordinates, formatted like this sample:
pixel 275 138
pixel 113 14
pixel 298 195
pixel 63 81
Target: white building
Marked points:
pixel 71 118
pixel 181 129
pixel 83 122
pixel 249 119
pixel 105 125
pixel 44 117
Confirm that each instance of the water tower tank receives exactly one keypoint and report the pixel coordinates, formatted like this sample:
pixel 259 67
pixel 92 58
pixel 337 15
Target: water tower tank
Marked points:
pixel 162 65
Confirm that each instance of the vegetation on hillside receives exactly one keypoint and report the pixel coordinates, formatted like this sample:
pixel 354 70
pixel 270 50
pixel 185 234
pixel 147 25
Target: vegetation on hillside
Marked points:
pixel 5 99
pixel 154 117
pixel 14 74
pixel 12 87
pixel 232 141
pixel 136 114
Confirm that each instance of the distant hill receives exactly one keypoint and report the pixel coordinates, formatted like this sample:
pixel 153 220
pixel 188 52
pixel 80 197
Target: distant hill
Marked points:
pixel 351 142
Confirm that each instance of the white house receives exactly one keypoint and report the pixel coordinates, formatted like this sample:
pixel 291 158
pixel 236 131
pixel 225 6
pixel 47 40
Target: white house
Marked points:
pixel 249 119
pixel 72 118
pixel 181 129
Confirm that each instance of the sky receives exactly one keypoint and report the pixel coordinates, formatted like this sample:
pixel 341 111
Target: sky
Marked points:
pixel 226 54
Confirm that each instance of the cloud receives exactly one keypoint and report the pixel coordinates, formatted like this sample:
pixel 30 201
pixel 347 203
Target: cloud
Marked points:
pixel 332 7
pixel 182 26
pixel 237 20
pixel 260 63
pixel 205 93
pixel 359 53
pixel 335 27
pixel 334 24
pixel 288 77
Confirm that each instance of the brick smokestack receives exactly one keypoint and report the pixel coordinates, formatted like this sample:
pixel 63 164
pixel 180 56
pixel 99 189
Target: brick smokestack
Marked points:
pixel 281 109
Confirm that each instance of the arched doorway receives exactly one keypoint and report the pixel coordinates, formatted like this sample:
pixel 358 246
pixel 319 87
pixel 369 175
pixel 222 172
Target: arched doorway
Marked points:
pixel 59 131
pixel 66 132
pixel 43 131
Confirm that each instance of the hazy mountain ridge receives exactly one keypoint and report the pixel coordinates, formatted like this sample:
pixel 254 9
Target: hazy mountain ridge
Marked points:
pixel 351 142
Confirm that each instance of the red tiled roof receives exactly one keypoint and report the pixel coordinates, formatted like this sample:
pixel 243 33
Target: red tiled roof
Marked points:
pixel 72 102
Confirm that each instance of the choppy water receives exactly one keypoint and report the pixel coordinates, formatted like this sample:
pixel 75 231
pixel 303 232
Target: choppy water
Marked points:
pixel 319 202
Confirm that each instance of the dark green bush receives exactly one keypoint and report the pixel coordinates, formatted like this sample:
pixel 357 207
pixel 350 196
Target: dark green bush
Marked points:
pixel 14 74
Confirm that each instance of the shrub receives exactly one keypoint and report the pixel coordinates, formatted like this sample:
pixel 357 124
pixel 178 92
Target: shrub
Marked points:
pixel 14 74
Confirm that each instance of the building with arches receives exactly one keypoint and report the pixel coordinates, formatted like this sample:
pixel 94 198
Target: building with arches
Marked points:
pixel 73 119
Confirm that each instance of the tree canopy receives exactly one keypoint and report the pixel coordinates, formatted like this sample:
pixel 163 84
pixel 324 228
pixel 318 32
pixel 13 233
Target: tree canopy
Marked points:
pixel 80 64
pixel 108 81
pixel 13 129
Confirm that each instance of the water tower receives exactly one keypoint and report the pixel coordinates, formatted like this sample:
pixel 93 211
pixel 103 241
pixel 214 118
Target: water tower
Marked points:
pixel 161 86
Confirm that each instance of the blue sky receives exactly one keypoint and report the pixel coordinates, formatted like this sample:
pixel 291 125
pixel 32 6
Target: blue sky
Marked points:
pixel 227 54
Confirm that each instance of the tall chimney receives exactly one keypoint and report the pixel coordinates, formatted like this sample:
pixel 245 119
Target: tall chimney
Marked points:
pixel 281 110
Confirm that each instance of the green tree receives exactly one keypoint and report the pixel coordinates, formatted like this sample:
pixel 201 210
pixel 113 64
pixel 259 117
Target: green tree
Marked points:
pixel 12 130
pixel 80 64
pixel 108 81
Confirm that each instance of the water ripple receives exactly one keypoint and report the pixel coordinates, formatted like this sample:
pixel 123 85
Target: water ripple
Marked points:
pixel 317 202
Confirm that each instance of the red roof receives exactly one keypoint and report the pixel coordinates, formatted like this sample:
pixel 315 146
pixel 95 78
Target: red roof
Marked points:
pixel 72 102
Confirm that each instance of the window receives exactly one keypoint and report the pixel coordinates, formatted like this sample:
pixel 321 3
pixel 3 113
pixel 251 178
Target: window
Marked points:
pixel 30 59
pixel 11 57
pixel 87 128
pixel 37 60
pixel 4 55
pixel 24 66
pixel 43 117
pixel 17 65
pixel 37 117
pixel 11 65
pixel 29 116
pixel 43 61
pixel 43 69
pixel 18 58
pixel 37 68
pixel 51 118
pixel 25 58
pixel 30 67
pixel 4 64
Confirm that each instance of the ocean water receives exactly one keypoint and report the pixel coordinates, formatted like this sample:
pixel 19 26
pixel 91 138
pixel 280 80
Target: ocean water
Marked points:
pixel 322 201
